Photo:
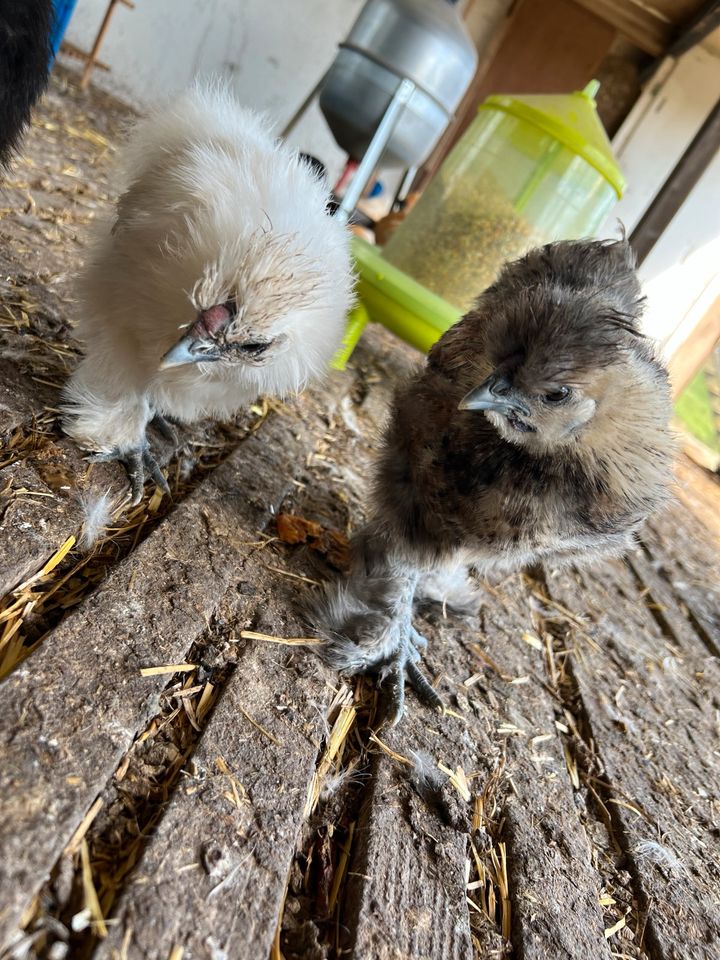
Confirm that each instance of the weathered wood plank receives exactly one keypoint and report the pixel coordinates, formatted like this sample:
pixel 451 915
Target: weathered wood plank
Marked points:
pixel 687 559
pixel 406 898
pixel 73 708
pixel 551 872
pixel 652 720
pixel 21 399
pixel 219 860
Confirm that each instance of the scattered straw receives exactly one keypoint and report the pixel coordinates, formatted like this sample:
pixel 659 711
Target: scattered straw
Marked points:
pixel 235 784
pixel 341 868
pixel 76 839
pixel 287 641
pixel 532 641
pixel 167 668
pixel 54 560
pixel 334 747
pixel 259 727
pixel 499 861
pixel 205 701
pixel 615 928
pixel 572 767
pixel 459 780
pixel 293 576
pixel 486 658
pixel 398 757
pixel 92 904
pixel 124 946
pixel 448 712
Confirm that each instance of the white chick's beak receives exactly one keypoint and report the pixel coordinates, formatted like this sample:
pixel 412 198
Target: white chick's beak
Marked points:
pixel 189 350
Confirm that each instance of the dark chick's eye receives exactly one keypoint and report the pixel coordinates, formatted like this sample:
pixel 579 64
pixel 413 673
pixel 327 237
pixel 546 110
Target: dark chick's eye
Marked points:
pixel 557 396
pixel 254 348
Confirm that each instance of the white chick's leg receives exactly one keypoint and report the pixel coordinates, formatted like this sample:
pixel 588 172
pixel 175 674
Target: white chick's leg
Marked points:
pixel 367 622
pixel 108 415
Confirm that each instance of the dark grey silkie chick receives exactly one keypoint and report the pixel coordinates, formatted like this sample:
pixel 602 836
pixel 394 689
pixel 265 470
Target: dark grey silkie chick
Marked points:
pixel 536 433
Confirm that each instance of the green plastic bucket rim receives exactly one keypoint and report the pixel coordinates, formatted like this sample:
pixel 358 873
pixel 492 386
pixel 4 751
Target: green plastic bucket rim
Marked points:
pixel 514 106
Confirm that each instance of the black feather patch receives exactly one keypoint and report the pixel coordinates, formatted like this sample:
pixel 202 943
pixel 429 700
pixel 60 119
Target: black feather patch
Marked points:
pixel 24 66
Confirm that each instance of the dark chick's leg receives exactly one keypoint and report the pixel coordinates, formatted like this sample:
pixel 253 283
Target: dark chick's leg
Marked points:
pixel 368 624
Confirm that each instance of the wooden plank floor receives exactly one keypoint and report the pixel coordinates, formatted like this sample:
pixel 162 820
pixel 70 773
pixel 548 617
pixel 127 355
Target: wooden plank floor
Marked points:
pixel 248 803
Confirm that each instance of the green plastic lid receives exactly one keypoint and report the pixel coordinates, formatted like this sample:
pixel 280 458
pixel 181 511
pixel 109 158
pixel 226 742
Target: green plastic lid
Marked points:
pixel 570 118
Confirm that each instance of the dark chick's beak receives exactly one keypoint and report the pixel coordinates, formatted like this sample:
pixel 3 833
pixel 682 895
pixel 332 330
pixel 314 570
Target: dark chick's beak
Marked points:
pixel 189 350
pixel 495 393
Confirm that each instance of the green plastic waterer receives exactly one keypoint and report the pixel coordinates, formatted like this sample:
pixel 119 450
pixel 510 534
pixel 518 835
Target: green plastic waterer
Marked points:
pixel 528 170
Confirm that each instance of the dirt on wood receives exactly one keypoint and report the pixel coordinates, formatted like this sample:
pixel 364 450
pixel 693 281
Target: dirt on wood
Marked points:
pixel 182 778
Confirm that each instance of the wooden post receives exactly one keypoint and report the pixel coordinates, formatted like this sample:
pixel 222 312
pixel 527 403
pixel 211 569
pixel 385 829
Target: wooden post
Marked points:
pixel 92 56
pixel 694 351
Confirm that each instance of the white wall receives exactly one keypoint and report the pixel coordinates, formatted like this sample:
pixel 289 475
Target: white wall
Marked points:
pixel 272 51
pixel 681 274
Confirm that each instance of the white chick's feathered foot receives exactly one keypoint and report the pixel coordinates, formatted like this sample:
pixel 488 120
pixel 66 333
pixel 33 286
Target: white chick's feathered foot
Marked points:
pixel 113 424
pixel 140 462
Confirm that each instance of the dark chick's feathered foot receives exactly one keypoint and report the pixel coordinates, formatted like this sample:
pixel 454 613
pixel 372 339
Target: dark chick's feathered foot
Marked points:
pixel 368 626
pixel 397 666
pixel 404 666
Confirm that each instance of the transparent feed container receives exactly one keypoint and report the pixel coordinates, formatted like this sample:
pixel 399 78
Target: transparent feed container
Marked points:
pixel 528 170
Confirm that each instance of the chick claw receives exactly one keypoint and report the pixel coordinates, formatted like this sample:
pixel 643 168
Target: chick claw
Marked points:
pixel 136 462
pixel 404 664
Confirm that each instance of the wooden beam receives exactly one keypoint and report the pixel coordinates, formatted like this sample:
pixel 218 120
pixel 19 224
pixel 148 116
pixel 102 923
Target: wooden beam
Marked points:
pixel 676 11
pixel 654 28
pixel 72 51
pixel 677 187
pixel 706 20
pixel 641 25
pixel 104 26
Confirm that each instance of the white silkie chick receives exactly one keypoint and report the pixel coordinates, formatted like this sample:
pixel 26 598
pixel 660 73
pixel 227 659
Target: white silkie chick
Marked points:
pixel 222 278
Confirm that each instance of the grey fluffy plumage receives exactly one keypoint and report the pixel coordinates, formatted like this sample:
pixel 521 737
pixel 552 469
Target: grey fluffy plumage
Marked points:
pixel 536 433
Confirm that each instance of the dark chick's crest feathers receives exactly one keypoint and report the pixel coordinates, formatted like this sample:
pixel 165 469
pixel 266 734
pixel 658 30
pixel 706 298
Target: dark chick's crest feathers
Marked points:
pixel 561 309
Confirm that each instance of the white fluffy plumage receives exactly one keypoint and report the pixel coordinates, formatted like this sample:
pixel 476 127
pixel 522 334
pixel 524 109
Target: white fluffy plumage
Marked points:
pixel 222 241
pixel 96 510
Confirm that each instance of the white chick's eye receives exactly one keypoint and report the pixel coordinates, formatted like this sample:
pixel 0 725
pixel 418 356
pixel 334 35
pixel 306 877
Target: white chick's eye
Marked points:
pixel 557 395
pixel 254 348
